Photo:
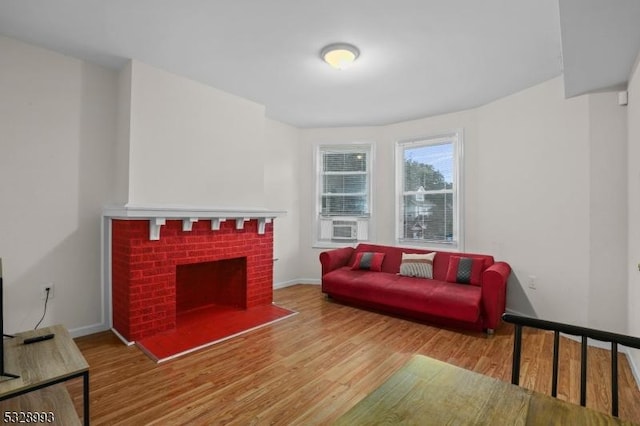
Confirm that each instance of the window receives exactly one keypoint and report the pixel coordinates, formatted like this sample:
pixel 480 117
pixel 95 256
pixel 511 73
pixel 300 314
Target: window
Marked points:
pixel 429 191
pixel 343 188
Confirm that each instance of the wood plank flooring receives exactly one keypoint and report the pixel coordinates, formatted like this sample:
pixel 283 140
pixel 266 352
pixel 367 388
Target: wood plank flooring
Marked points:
pixel 311 368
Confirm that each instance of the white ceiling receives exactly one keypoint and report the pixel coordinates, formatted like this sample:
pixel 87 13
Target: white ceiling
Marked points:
pixel 418 57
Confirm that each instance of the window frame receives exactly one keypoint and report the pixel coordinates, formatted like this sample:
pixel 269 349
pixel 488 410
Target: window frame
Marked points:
pixel 456 137
pixel 364 220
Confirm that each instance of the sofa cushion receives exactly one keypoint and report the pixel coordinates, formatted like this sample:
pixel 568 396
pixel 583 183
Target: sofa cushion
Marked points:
pixel 406 294
pixel 417 265
pixel 368 260
pixel 392 255
pixel 357 283
pixel 465 270
pixel 393 258
pixel 459 302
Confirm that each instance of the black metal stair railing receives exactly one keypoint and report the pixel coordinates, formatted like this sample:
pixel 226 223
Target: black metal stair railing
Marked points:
pixel 583 332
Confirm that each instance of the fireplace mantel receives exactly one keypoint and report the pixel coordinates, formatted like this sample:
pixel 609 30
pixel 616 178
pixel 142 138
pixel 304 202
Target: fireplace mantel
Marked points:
pixel 147 247
pixel 158 215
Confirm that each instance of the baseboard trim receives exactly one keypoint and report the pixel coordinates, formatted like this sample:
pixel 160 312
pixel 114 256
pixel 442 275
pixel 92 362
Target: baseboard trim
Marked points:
pixel 121 337
pixel 89 329
pixel 514 312
pixel 289 283
pixel 632 363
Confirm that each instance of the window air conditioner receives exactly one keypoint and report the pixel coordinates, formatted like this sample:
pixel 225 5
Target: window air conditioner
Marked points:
pixel 344 230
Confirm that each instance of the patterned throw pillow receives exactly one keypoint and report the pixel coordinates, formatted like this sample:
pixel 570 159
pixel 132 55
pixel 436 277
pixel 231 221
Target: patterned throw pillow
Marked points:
pixel 417 265
pixel 369 261
pixel 464 270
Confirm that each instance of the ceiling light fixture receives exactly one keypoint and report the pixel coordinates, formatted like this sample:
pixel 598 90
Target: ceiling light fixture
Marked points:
pixel 339 55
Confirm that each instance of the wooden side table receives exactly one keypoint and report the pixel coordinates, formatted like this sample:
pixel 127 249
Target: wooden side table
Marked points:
pixel 42 367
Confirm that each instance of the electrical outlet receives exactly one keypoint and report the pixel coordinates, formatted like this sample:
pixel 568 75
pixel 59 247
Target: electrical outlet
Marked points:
pixel 43 294
pixel 532 282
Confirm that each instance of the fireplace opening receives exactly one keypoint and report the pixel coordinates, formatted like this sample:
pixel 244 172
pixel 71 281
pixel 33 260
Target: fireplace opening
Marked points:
pixel 217 285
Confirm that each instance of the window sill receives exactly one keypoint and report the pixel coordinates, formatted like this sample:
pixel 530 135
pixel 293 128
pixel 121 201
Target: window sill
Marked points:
pixel 430 245
pixel 334 245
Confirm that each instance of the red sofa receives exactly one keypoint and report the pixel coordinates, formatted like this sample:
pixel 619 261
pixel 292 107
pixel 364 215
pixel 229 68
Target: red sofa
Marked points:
pixel 476 306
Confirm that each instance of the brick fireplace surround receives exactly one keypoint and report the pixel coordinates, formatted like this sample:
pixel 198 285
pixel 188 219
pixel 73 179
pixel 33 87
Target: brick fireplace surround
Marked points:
pixel 150 255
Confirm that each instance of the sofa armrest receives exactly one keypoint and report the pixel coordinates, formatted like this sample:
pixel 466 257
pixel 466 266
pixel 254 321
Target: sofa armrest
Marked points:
pixel 494 293
pixel 334 259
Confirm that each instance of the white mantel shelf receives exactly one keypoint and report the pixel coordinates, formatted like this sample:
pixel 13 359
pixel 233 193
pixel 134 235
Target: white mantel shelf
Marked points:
pixel 157 216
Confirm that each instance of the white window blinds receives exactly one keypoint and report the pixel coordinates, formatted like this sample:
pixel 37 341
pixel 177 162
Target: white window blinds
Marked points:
pixel 428 202
pixel 345 186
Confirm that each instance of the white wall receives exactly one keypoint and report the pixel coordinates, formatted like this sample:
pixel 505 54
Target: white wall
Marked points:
pixel 123 131
pixel 58 120
pixel 533 198
pixel 192 144
pixel 608 213
pixel 530 177
pixel 281 171
pixel 560 213
pixel 633 127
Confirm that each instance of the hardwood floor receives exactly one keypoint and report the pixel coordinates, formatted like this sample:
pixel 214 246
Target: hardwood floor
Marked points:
pixel 314 366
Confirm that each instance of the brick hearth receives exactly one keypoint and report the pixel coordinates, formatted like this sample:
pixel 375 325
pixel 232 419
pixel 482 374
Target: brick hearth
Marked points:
pixel 143 270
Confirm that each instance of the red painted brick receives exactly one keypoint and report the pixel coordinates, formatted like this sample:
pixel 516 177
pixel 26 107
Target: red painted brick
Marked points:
pixel 145 300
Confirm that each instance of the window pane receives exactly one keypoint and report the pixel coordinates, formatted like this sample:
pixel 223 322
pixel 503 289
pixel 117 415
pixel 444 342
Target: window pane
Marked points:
pixel 344 205
pixel 345 184
pixel 428 217
pixel 428 167
pixel 429 190
pixel 345 161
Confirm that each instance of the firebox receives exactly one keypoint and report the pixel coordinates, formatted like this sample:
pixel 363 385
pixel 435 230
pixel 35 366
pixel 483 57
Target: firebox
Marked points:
pixel 211 284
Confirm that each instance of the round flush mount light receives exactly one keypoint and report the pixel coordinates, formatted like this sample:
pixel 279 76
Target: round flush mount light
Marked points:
pixel 339 55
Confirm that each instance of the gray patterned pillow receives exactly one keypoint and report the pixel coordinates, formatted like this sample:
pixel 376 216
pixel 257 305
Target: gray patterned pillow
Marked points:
pixel 417 265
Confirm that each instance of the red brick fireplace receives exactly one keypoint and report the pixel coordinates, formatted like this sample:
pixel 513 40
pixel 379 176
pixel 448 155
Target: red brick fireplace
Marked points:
pixel 161 267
